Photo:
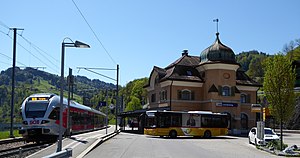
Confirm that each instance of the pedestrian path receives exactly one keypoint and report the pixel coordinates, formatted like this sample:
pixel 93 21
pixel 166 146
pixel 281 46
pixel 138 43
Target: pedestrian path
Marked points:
pixel 80 144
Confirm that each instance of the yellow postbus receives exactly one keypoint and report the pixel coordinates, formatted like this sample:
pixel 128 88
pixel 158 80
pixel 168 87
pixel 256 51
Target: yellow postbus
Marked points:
pixel 191 123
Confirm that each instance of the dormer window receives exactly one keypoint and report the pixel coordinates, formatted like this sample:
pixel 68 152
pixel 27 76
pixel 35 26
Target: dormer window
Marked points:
pixel 189 73
pixel 225 91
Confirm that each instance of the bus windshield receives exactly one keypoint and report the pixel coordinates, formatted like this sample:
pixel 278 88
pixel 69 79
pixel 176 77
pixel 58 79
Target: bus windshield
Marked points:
pixel 35 109
pixel 151 120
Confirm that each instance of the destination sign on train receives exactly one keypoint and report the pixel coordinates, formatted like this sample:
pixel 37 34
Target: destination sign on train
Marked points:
pixel 38 98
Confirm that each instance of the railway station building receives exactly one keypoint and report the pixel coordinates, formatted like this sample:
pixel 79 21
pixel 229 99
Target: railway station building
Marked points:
pixel 213 81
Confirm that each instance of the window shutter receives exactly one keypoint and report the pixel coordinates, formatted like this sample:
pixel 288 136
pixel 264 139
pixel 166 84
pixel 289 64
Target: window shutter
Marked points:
pixel 248 98
pixel 166 95
pixel 192 95
pixel 179 94
pixel 220 90
pixel 233 91
pixel 160 96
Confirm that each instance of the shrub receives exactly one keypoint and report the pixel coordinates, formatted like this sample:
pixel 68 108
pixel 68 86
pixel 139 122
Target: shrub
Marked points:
pixel 275 144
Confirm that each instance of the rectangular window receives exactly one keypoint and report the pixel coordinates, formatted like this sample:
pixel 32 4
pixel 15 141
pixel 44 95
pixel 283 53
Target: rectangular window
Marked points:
pixel 176 120
pixel 163 95
pixel 153 97
pixel 164 120
pixel 211 121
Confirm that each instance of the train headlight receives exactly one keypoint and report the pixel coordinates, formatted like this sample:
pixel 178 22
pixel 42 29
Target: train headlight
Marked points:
pixel 25 122
pixel 45 121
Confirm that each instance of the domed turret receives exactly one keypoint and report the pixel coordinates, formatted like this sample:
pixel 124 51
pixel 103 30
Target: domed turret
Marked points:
pixel 218 52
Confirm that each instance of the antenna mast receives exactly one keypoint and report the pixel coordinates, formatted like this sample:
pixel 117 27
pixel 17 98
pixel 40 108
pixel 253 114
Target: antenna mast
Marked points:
pixel 217 21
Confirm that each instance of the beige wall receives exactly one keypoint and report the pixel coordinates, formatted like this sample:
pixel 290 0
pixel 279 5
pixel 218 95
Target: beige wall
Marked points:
pixel 205 101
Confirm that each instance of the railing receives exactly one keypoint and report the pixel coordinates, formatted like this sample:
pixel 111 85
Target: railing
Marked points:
pixel 6 126
pixel 62 154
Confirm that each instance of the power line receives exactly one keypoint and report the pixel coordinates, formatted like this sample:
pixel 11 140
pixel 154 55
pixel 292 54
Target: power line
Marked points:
pixel 12 59
pixel 37 57
pixel 31 53
pixel 4 63
pixel 2 24
pixel 40 50
pixel 93 32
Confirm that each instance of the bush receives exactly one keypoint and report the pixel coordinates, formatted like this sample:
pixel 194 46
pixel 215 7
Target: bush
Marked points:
pixel 275 144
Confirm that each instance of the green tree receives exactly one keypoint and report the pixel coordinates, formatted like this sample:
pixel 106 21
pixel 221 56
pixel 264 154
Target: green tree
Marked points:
pixel 134 104
pixel 135 88
pixel 278 86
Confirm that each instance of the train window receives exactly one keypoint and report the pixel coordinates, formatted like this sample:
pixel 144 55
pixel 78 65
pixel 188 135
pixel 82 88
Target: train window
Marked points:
pixel 35 109
pixel 54 114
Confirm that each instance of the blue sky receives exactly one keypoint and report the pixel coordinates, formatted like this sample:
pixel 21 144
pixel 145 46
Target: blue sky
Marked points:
pixel 140 34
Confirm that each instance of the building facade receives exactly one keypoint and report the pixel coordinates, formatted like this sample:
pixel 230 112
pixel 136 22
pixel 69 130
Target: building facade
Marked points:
pixel 213 81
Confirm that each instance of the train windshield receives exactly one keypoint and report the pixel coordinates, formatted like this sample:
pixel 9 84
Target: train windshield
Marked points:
pixel 36 109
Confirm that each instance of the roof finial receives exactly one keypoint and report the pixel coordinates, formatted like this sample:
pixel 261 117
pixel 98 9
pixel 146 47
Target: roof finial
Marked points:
pixel 217 21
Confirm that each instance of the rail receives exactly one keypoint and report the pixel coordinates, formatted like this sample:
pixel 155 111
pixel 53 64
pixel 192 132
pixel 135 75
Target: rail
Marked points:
pixel 62 154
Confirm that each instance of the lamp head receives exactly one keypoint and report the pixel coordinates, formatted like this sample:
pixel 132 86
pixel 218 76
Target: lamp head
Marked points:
pixel 81 44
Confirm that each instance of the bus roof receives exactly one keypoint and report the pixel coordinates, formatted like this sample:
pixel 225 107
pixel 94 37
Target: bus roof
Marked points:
pixel 184 112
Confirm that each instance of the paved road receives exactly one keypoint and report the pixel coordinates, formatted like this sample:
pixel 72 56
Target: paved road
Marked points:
pixel 127 145
pixel 79 143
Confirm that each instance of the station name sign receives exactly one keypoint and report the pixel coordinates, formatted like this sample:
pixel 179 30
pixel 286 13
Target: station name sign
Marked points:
pixel 225 104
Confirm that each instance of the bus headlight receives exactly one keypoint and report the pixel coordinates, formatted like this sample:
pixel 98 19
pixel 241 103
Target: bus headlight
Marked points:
pixel 25 122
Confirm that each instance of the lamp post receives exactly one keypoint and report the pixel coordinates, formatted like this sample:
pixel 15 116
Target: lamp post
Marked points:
pixel 76 44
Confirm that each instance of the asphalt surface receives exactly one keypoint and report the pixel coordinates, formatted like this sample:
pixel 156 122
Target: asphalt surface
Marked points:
pixel 126 145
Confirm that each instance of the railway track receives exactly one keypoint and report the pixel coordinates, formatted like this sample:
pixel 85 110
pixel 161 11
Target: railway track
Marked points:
pixel 20 150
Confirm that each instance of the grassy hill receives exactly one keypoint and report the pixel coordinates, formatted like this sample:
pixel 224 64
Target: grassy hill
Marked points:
pixel 30 81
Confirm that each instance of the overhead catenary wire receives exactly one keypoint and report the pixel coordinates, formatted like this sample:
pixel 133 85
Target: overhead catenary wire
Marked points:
pixel 12 59
pixel 94 33
pixel 2 24
pixel 30 53
pixel 40 50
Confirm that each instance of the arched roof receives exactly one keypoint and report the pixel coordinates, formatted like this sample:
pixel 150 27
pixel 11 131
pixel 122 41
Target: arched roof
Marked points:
pixel 218 52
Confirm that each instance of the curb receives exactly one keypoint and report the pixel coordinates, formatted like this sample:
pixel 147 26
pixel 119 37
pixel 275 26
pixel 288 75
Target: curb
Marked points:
pixel 279 153
pixel 97 143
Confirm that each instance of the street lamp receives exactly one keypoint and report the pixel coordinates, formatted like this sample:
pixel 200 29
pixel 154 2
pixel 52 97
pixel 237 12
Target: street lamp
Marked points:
pixel 76 44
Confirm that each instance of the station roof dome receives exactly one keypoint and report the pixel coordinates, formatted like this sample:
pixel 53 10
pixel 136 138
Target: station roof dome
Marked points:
pixel 217 52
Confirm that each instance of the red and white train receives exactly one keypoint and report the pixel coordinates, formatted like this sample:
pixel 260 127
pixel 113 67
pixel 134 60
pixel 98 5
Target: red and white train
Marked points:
pixel 40 114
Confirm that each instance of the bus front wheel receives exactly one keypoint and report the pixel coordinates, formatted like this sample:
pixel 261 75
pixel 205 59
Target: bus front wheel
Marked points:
pixel 173 134
pixel 207 134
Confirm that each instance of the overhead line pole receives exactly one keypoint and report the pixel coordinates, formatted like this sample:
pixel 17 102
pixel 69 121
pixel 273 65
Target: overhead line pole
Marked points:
pixel 13 80
pixel 117 88
pixel 117 98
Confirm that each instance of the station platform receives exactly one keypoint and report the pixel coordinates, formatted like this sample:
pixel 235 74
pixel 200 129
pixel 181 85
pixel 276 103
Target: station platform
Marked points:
pixel 80 144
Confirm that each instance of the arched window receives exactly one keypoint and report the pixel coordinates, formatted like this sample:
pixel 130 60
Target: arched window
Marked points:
pixel 243 98
pixel 244 121
pixel 225 91
pixel 186 95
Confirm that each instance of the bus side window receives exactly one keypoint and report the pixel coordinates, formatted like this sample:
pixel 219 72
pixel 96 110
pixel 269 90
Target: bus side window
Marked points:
pixel 176 120
pixel 165 120
pixel 205 121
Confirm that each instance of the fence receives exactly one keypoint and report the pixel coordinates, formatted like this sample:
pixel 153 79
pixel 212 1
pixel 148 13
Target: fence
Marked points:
pixel 6 126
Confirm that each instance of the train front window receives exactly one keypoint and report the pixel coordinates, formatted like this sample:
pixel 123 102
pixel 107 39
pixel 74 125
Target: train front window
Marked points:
pixel 36 109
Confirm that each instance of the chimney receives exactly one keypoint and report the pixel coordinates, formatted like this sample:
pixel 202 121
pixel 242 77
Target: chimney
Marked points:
pixel 185 52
